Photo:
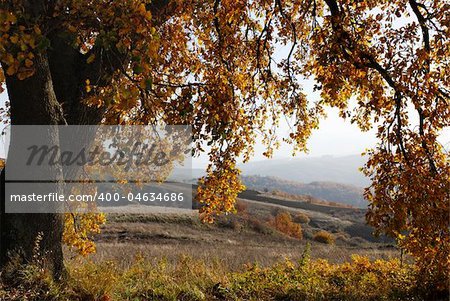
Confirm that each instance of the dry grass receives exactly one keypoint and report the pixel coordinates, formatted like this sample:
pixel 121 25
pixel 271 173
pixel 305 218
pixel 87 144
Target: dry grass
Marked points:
pixel 253 240
pixel 249 233
pixel 187 278
pixel 241 257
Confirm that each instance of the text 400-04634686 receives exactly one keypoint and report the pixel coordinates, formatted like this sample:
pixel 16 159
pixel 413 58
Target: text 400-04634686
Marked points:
pixel 142 197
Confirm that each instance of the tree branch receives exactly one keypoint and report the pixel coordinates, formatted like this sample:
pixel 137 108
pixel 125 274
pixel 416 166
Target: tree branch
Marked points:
pixel 422 22
pixel 426 40
pixel 370 62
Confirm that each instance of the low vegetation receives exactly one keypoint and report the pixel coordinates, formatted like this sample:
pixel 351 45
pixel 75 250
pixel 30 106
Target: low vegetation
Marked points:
pixel 301 218
pixel 283 223
pixel 175 266
pixel 324 237
pixel 192 279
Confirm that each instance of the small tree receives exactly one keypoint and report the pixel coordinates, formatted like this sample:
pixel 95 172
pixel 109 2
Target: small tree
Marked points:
pixel 283 223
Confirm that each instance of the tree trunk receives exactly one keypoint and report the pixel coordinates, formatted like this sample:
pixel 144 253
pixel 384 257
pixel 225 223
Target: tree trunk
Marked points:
pixel 33 102
pixel 58 85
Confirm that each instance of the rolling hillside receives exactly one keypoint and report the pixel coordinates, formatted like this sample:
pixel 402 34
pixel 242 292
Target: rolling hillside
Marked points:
pixel 333 179
pixel 329 191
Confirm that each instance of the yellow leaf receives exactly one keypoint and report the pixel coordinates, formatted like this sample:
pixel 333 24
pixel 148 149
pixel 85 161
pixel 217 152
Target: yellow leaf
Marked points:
pixel 24 75
pixel 11 70
pixel 11 18
pixel 28 63
pixel 9 59
pixel 91 58
pixel 88 86
pixel 14 39
pixel 142 9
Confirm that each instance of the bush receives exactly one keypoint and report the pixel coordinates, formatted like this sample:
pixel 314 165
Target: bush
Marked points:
pixel 360 279
pixel 301 218
pixel 342 236
pixel 283 223
pixel 236 225
pixel 324 237
pixel 230 222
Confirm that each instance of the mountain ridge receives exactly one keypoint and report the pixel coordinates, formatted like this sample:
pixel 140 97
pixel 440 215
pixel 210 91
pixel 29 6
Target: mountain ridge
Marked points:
pixel 341 169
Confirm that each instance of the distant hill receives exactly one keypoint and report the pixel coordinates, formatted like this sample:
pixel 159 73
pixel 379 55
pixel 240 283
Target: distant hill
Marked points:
pixel 333 179
pixel 329 191
pixel 343 170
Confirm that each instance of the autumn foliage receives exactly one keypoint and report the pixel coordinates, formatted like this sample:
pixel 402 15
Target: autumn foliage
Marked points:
pixel 283 223
pixel 193 279
pixel 79 230
pixel 324 237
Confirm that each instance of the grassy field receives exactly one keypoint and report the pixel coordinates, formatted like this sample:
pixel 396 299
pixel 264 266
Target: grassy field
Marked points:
pixel 247 237
pixel 246 256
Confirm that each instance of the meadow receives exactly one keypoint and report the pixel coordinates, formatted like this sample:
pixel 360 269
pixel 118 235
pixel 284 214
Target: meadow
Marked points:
pixel 263 252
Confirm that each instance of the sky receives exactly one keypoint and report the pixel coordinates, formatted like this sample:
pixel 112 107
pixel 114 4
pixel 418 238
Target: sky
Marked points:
pixel 335 136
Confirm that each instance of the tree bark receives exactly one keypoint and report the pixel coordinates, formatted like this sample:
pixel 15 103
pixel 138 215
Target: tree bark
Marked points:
pixel 33 102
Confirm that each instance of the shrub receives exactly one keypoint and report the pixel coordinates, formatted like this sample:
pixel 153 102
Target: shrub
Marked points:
pixel 342 236
pixel 236 225
pixel 230 222
pixel 301 218
pixel 283 223
pixel 360 279
pixel 324 237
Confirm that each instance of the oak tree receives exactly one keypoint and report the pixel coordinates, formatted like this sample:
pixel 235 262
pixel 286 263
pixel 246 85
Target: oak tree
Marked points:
pixel 213 64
